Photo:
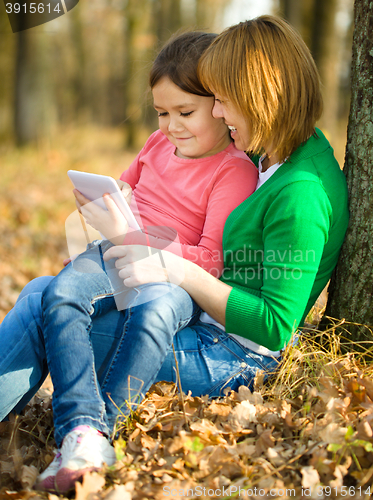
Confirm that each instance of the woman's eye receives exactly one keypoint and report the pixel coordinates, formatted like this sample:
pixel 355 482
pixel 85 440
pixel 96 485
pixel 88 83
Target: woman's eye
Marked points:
pixel 186 114
pixel 162 114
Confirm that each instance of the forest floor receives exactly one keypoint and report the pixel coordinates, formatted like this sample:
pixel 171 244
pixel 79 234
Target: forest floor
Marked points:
pixel 307 432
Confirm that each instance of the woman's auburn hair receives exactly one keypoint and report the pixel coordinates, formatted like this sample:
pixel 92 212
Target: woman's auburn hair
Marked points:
pixel 267 71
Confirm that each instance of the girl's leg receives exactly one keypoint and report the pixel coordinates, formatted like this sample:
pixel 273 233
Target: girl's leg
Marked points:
pixel 23 366
pixel 67 310
pixel 142 337
pixel 88 391
pixel 148 333
pixel 210 361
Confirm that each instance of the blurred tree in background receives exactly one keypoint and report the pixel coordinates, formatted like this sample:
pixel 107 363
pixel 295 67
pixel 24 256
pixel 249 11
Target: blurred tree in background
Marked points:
pixel 90 66
pixel 326 26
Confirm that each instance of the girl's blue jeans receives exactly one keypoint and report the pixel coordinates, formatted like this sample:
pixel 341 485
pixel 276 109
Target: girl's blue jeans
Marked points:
pixel 103 371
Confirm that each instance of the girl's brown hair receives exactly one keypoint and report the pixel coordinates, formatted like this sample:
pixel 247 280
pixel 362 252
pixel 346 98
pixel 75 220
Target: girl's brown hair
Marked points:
pixel 178 61
pixel 266 70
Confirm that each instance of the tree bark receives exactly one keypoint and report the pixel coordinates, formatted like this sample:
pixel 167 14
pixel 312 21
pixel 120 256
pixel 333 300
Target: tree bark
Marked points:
pixel 351 288
pixel 34 110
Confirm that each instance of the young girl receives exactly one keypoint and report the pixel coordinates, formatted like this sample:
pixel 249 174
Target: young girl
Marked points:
pixel 186 180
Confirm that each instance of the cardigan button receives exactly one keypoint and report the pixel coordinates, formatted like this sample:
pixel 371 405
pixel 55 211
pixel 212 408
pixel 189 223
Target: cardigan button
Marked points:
pixel 243 365
pixel 216 340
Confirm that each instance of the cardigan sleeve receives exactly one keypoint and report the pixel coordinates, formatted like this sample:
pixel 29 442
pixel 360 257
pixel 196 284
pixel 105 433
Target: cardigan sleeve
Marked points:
pixel 295 232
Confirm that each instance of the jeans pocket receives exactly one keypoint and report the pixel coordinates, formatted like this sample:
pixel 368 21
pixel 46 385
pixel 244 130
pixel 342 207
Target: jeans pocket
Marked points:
pixel 238 366
pixel 233 381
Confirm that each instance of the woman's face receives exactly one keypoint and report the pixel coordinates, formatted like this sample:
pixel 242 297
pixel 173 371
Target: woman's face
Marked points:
pixel 236 122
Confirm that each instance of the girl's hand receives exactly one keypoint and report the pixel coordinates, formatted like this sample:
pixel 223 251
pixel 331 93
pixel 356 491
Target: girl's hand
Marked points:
pixel 126 190
pixel 139 265
pixel 111 223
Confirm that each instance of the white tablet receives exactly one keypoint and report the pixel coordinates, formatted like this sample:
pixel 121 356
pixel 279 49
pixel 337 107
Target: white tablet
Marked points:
pixel 94 186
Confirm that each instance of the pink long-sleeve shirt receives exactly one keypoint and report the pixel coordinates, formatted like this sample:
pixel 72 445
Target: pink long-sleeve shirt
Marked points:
pixel 182 204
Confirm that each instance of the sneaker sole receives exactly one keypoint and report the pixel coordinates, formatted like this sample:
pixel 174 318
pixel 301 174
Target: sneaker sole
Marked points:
pixel 46 485
pixel 65 479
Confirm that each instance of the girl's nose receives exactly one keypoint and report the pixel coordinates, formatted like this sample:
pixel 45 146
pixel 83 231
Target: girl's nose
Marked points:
pixel 174 125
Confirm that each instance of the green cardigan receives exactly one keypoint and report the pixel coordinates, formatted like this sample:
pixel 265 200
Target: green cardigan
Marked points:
pixel 282 244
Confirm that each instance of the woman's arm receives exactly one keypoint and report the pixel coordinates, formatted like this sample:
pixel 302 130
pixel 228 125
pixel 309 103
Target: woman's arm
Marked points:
pixel 137 268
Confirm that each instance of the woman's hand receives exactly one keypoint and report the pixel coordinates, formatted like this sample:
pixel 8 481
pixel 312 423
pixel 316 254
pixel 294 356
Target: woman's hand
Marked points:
pixel 111 222
pixel 140 264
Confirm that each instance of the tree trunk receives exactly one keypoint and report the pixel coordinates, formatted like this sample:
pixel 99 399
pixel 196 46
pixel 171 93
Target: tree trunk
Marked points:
pixel 351 288
pixel 325 45
pixel 34 111
pixel 7 55
pixel 316 21
pixel 138 43
pixel 25 86
pixel 292 10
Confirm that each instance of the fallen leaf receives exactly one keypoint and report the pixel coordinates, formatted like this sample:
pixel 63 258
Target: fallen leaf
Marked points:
pixel 92 483
pixel 243 414
pixel 310 477
pixel 119 492
pixel 28 476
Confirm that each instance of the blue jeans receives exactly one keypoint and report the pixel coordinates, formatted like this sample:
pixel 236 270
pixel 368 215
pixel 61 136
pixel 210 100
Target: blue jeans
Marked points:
pixel 23 364
pixel 152 315
pixel 209 360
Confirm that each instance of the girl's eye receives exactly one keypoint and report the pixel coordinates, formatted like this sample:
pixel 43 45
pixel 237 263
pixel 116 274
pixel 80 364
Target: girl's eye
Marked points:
pixel 162 114
pixel 186 114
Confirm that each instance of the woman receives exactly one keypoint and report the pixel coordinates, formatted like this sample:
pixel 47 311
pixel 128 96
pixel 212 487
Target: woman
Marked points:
pixel 280 245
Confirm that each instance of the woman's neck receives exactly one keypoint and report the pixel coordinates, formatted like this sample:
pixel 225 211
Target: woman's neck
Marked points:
pixel 268 161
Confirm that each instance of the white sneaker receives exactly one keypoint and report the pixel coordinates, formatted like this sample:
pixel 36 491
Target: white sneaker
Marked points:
pixel 45 481
pixel 83 449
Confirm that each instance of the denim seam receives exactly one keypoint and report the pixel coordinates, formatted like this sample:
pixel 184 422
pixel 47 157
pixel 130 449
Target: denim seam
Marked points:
pixel 183 324
pixel 204 347
pixel 227 380
pixel 97 298
pixel 95 386
pixel 114 357
pixel 95 380
pixel 248 353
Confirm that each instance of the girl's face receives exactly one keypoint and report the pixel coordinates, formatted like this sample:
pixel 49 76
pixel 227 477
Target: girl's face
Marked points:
pixel 236 122
pixel 186 120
